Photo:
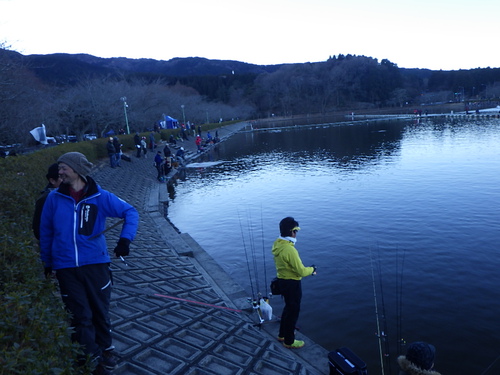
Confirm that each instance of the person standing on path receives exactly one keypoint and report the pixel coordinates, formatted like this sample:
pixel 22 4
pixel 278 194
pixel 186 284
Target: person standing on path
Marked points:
pixel 152 141
pixel 159 166
pixel 290 272
pixel 166 151
pixel 198 142
pixel 118 151
pixel 144 146
pixel 137 142
pixel 72 243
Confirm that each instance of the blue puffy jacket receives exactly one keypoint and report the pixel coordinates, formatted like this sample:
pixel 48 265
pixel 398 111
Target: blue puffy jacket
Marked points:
pixel 67 228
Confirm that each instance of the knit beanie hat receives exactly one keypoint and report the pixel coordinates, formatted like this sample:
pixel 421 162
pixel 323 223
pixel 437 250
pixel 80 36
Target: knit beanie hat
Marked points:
pixel 76 161
pixel 421 354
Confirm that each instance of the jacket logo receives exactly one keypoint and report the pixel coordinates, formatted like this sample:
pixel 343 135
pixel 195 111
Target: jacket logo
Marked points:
pixel 88 215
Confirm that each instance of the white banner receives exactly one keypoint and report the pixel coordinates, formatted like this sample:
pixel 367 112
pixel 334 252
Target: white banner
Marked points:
pixel 39 134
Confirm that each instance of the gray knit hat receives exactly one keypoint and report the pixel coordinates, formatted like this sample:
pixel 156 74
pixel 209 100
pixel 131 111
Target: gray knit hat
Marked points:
pixel 76 161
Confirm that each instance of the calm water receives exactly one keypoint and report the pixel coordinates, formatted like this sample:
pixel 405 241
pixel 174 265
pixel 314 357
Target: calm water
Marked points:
pixel 410 208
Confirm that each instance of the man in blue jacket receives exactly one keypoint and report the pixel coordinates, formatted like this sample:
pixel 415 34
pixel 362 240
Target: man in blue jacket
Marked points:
pixel 72 244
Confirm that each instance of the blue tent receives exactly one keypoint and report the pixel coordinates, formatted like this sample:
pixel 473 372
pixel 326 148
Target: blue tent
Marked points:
pixel 169 122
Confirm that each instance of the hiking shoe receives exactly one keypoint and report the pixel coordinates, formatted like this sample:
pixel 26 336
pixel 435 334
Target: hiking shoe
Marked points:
pixel 108 360
pixel 281 338
pixel 297 344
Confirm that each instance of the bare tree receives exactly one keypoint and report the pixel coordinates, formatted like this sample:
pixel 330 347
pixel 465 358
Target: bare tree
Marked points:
pixel 21 99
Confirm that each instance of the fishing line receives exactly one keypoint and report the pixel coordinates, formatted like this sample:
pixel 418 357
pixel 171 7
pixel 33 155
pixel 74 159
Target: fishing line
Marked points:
pixel 197 302
pixel 246 256
pixel 399 301
pixel 490 366
pixel 253 251
pixel 376 315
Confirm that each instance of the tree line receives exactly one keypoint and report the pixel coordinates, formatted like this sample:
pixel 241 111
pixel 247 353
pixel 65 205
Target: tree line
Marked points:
pixel 95 103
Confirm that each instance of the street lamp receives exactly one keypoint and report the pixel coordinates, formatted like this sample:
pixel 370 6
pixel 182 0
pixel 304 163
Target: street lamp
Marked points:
pixel 124 100
pixel 183 115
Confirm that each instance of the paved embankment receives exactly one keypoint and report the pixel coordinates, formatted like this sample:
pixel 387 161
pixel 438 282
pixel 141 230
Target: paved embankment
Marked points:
pixel 173 309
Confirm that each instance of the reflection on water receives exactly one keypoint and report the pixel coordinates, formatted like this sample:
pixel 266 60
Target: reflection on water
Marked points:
pixel 417 203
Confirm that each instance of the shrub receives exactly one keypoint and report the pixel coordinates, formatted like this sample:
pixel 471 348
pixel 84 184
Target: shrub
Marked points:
pixel 35 336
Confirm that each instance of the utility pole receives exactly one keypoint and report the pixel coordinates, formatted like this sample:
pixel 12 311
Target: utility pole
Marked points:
pixel 124 100
pixel 183 115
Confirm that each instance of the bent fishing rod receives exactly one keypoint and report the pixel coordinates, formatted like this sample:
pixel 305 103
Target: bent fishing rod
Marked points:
pixel 107 229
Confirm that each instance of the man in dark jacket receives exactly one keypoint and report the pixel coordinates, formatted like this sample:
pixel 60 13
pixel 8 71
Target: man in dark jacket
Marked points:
pixel 179 156
pixel 54 182
pixel 72 243
pixel 137 142
pixel 118 151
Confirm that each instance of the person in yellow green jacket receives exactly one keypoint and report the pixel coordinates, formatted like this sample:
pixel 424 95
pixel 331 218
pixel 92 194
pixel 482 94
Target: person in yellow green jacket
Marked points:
pixel 290 272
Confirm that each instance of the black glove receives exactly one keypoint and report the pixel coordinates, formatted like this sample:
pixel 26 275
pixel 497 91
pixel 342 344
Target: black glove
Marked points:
pixel 47 272
pixel 122 249
pixel 314 270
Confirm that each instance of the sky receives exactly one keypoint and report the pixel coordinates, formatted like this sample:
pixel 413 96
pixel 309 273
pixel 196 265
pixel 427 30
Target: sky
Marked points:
pixel 426 34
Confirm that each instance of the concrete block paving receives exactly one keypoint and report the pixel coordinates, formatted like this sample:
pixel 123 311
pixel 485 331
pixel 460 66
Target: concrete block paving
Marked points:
pixel 173 309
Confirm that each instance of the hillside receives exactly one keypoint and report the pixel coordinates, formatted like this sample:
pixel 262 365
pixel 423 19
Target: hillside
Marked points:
pixel 65 68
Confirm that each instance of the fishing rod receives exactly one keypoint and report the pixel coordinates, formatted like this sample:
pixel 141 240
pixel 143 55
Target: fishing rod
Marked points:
pixel 259 303
pixel 253 252
pixel 263 250
pixel 107 229
pixel 246 256
pixel 399 302
pixel 384 318
pixel 379 335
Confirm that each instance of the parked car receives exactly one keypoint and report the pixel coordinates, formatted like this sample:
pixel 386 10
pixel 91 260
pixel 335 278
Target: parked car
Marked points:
pixel 89 137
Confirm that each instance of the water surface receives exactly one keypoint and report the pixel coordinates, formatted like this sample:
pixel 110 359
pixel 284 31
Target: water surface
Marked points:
pixel 409 208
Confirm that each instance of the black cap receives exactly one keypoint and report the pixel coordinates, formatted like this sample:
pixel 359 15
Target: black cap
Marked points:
pixel 287 225
pixel 53 172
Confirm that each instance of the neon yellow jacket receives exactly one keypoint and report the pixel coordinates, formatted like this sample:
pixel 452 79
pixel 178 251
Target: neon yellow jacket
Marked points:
pixel 287 261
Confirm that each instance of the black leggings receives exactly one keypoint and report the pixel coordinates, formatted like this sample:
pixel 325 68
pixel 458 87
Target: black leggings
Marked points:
pixel 291 290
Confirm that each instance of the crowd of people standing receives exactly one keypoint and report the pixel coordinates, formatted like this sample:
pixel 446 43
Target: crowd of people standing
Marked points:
pixel 163 163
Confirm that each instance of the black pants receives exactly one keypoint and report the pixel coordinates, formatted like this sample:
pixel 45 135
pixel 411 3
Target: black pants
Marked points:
pixel 86 293
pixel 291 290
pixel 160 171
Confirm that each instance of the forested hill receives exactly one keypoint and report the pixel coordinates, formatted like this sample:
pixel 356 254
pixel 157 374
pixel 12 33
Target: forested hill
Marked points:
pixel 78 94
pixel 202 74
pixel 62 67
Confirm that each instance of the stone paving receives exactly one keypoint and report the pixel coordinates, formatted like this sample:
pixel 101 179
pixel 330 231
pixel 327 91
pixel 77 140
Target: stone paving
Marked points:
pixel 173 309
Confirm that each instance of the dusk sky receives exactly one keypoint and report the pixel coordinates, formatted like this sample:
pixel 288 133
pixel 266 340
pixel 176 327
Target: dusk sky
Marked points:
pixel 439 34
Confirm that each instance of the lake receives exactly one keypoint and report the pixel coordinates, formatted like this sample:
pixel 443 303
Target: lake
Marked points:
pixel 404 215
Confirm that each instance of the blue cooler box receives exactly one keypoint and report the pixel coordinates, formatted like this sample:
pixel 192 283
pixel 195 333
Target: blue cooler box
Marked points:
pixel 344 362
